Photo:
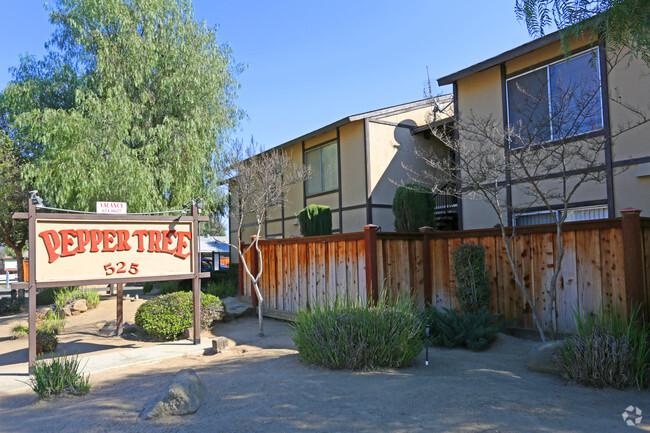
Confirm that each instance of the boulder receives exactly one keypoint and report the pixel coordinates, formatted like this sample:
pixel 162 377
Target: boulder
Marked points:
pixel 79 305
pixel 219 345
pixel 184 395
pixel 235 308
pixel 541 358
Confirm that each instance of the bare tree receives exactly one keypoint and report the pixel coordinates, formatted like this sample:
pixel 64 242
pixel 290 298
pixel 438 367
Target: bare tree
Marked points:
pixel 551 149
pixel 258 182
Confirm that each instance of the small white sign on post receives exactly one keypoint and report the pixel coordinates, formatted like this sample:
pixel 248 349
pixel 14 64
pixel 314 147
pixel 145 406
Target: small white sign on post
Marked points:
pixel 111 207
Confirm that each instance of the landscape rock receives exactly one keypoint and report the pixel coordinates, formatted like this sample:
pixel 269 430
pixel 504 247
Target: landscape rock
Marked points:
pixel 79 305
pixel 65 311
pixel 183 396
pixel 219 345
pixel 541 358
pixel 235 308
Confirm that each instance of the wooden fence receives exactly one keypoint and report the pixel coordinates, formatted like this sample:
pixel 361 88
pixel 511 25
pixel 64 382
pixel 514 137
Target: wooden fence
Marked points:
pixel 606 262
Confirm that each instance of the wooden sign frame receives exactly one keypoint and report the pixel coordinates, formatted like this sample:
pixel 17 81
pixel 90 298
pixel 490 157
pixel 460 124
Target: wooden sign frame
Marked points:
pixel 32 285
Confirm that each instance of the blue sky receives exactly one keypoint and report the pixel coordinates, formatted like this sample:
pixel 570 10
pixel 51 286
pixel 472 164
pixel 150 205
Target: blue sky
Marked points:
pixel 312 63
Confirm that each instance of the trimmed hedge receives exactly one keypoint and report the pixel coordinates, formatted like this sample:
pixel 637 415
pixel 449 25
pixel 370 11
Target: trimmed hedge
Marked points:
pixel 315 220
pixel 414 206
pixel 166 317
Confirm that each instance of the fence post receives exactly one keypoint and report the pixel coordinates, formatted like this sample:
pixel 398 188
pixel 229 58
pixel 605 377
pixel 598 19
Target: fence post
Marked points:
pixel 240 269
pixel 254 270
pixel 372 279
pixel 426 264
pixel 633 257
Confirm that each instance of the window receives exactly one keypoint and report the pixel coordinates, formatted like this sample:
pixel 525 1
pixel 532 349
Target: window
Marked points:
pixel 575 214
pixel 325 168
pixel 556 101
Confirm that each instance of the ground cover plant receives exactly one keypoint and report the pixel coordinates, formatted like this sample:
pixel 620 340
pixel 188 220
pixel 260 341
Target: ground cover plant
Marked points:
pixel 449 328
pixel 46 341
pixel 70 295
pixel 11 305
pixel 610 348
pixel 61 375
pixel 352 335
pixel 221 289
pixel 166 317
pixel 46 322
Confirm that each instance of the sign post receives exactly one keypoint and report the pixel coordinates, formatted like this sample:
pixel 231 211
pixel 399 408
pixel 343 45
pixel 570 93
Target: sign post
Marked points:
pixel 69 249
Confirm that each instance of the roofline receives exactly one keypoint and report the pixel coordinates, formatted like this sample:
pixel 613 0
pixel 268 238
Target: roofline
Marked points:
pixel 432 125
pixel 368 114
pixel 501 58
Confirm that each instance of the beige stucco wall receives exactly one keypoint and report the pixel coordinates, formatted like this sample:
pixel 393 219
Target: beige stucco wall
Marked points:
pixel 353 173
pixel 629 80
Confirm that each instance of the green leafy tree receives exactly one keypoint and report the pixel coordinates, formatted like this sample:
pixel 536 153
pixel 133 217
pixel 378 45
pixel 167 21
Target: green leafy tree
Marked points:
pixel 154 99
pixel 621 23
pixel 13 198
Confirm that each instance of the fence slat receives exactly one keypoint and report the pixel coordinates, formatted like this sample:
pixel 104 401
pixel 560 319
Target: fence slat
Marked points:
pixel 300 272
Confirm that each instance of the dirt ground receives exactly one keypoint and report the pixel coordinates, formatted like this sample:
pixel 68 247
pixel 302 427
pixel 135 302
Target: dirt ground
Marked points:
pixel 261 386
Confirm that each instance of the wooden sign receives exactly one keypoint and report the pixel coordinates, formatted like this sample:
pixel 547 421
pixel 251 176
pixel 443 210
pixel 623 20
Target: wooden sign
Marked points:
pixel 77 251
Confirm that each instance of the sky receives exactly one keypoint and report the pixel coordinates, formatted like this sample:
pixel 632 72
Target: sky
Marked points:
pixel 309 64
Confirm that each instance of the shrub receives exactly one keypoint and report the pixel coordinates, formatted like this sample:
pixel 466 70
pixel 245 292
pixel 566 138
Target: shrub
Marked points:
pixel 472 277
pixel 222 289
pixel 70 295
pixel 19 331
pixel 414 206
pixel 46 341
pixel 11 305
pixel 50 322
pixel 46 296
pixel 475 331
pixel 315 220
pixel 147 287
pixel 610 348
pixel 59 376
pixel 167 316
pixel 352 336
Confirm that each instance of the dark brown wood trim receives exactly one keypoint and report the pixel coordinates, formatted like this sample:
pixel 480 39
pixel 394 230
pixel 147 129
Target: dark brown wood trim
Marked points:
pixel 366 151
pixel 372 275
pixel 633 258
pixel 308 239
pixel 31 248
pixel 304 183
pixel 459 206
pixel 109 217
pixel 631 161
pixel 566 140
pixel 554 59
pixel 382 205
pixel 506 145
pixel 45 284
pixel 604 88
pixel 338 162
pixel 319 194
pixel 560 206
pixel 119 298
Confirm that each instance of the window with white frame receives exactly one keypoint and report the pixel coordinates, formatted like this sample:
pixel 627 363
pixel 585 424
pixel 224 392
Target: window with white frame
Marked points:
pixel 573 214
pixel 325 168
pixel 556 101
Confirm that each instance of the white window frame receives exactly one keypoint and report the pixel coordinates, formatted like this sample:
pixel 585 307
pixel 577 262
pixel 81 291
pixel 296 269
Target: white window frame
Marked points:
pixel 548 81
pixel 319 148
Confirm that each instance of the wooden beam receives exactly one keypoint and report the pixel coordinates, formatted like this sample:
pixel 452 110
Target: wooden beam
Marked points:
pixel 196 282
pixel 32 283
pixel 372 279
pixel 119 321
pixel 633 257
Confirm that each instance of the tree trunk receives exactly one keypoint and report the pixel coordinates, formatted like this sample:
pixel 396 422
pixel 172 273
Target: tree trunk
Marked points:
pixel 19 265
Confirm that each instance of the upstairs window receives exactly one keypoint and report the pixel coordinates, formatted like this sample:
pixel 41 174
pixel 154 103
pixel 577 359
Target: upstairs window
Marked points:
pixel 557 101
pixel 325 168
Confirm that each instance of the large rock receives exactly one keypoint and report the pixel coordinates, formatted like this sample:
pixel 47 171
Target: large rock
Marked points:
pixel 184 395
pixel 79 305
pixel 235 308
pixel 541 358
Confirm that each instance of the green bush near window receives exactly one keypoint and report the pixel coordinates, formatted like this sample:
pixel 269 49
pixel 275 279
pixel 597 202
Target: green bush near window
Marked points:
pixel 166 317
pixel 315 220
pixel 610 349
pixel 351 335
pixel 414 206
